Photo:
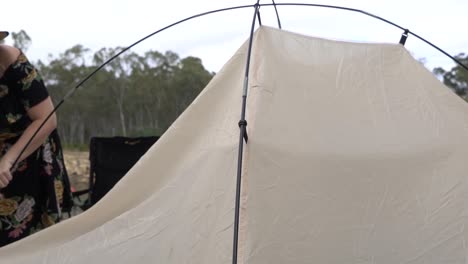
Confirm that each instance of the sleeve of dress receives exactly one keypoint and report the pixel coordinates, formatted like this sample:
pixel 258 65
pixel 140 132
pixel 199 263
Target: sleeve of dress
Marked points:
pixel 29 85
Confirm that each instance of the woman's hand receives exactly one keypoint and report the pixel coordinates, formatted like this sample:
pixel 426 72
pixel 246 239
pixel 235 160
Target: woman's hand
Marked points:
pixel 5 174
pixel 37 114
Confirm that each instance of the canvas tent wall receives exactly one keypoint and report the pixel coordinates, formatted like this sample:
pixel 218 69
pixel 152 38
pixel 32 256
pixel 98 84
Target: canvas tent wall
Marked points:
pixel 356 154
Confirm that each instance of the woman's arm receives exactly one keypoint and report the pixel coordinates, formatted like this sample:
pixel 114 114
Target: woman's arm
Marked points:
pixel 37 114
pixel 38 106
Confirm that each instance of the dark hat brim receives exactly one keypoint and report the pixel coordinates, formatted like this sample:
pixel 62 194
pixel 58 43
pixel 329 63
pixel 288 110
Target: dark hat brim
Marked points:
pixel 3 34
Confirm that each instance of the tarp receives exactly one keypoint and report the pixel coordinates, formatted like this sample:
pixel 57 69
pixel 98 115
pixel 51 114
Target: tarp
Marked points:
pixel 356 154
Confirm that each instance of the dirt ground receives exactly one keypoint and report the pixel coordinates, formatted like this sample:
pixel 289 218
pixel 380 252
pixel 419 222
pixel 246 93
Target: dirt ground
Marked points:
pixel 77 164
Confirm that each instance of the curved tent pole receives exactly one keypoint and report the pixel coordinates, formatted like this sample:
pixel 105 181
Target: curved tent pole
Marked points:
pixel 72 91
pixel 277 16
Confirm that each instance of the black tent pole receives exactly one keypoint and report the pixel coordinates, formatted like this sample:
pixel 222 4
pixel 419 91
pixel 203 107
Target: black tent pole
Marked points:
pixel 277 15
pixel 243 135
pixel 259 18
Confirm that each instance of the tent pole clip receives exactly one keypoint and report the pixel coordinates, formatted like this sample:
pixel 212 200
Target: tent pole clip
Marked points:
pixel 243 126
pixel 404 36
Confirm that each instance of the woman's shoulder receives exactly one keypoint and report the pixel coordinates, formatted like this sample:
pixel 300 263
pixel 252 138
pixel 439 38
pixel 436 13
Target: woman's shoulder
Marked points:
pixel 8 55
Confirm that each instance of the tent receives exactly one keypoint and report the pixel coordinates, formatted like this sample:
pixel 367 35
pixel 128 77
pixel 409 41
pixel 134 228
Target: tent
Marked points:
pixel 356 154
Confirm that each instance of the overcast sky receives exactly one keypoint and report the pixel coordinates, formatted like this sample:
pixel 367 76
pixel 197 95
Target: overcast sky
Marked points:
pixel 56 25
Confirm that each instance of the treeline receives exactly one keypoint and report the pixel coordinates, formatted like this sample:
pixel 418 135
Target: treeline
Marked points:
pixel 134 95
pixel 457 77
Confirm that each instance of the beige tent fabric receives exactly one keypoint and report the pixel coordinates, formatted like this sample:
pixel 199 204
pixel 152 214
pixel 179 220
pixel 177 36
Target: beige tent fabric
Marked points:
pixel 356 154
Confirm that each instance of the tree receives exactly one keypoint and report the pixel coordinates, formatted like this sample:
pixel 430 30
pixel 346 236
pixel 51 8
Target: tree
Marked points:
pixel 121 68
pixel 61 75
pixel 134 95
pixel 21 40
pixel 457 77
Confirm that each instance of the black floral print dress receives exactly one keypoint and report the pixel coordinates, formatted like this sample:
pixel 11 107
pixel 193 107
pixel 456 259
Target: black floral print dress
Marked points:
pixel 40 189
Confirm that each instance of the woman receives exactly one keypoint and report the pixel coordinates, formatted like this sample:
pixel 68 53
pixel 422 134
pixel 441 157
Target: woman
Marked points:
pixel 34 191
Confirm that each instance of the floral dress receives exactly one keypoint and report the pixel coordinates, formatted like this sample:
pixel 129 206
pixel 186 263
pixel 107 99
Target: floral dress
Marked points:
pixel 40 189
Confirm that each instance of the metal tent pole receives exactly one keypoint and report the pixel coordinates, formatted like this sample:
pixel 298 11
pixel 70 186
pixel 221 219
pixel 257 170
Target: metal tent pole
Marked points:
pixel 243 136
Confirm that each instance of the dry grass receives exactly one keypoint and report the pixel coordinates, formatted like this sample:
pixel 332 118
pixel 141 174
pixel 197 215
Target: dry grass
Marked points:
pixel 77 164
